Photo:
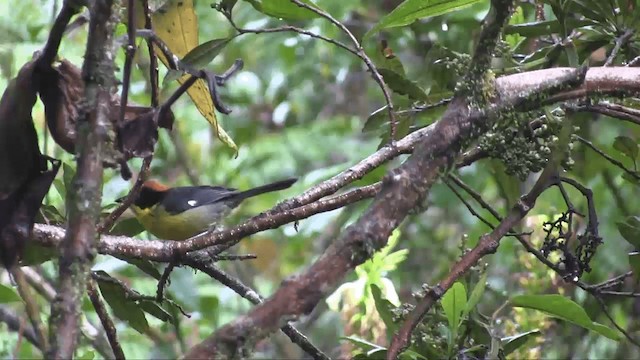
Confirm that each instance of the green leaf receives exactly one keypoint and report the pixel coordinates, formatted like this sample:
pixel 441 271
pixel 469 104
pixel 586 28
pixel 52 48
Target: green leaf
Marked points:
pixel 35 254
pixel 512 343
pixel 626 146
pixel 198 58
pixel 385 308
pixel 87 355
pixel 630 230
pixel 634 263
pixel 547 27
pixel 564 308
pixel 453 304
pixel 476 294
pixel 123 308
pixel 412 10
pixel 8 295
pixel 154 309
pixel 376 119
pixel 401 85
pixel 284 9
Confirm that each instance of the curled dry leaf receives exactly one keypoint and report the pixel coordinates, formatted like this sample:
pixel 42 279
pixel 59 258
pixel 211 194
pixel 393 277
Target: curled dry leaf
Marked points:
pixel 61 89
pixel 24 177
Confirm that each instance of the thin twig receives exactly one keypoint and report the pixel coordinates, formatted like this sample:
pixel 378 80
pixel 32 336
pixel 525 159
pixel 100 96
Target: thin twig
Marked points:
pixel 130 52
pixel 608 158
pixel 105 319
pixel 31 305
pixel 362 55
pixel 206 266
pixel 111 219
pixel 467 205
pixel 620 42
pixel 16 324
pixel 603 306
pixel 164 279
pixel 612 110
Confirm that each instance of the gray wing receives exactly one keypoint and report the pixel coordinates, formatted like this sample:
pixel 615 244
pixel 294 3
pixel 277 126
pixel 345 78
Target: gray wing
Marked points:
pixel 180 199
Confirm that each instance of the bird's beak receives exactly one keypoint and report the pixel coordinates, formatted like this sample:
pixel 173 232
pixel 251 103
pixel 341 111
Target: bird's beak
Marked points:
pixel 120 200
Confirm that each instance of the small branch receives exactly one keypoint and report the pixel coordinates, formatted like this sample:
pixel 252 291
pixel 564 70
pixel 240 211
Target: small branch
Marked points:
pixel 164 279
pixel 362 55
pixel 50 51
pixel 620 42
pixel 130 52
pixel 468 206
pixel 105 319
pixel 153 58
pixel 31 306
pixel 612 110
pixel 289 28
pixel 16 324
pixel 111 219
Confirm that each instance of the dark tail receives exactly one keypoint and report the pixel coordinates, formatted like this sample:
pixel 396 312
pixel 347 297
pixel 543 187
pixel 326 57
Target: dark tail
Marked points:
pixel 274 186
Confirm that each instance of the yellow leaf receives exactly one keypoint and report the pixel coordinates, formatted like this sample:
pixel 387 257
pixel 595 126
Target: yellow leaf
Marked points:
pixel 176 23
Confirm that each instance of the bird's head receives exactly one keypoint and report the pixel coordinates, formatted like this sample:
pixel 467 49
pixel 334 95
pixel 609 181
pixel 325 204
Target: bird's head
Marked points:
pixel 150 194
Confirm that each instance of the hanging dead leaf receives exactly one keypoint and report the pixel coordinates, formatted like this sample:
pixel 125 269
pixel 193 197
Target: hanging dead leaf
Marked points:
pixel 24 177
pixel 61 89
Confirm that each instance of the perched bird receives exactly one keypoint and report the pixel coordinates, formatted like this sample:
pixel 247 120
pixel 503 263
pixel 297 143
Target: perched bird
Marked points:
pixel 182 212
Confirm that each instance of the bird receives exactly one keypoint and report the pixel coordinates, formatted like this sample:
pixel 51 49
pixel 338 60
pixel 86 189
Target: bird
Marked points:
pixel 179 213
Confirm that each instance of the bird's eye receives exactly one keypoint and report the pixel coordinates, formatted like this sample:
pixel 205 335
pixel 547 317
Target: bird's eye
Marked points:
pixel 192 202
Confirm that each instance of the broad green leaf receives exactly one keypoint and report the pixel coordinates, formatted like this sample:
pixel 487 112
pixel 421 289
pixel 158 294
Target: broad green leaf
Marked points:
pixel 630 230
pixel 564 308
pixel 626 146
pixel 453 304
pixel 199 57
pixel 8 295
pixel 512 343
pixel 123 308
pixel 284 9
pixel 403 86
pixel 376 119
pixel 385 308
pixel 412 10
pixel 154 309
pixel 547 27
pixel 35 254
pixel 634 263
pixel 476 294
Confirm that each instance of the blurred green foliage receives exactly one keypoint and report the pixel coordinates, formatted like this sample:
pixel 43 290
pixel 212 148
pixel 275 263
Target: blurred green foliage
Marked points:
pixel 299 109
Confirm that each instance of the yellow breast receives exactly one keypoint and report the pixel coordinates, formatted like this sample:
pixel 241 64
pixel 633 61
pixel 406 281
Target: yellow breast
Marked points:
pixel 170 227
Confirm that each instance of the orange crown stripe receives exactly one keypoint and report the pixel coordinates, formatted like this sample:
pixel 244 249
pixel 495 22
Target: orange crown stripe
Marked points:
pixel 155 185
